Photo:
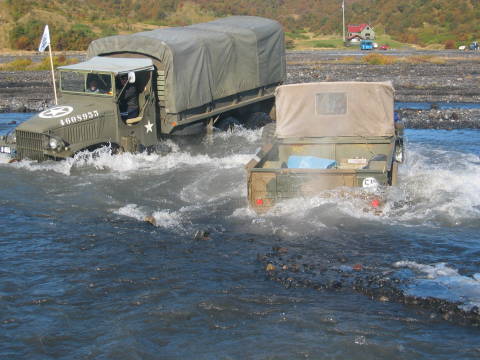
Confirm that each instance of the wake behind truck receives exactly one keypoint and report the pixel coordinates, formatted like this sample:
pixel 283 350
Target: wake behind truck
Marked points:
pixel 186 78
pixel 328 136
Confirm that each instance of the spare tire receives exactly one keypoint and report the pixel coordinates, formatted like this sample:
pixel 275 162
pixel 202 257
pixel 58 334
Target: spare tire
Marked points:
pixel 268 133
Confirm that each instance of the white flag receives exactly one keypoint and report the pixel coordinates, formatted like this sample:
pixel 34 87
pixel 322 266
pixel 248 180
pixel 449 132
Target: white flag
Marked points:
pixel 343 4
pixel 45 42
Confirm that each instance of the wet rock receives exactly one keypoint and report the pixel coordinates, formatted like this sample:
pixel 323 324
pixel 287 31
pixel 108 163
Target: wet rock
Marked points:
pixel 376 283
pixel 280 250
pixel 357 267
pixel 201 235
pixel 270 267
pixel 151 220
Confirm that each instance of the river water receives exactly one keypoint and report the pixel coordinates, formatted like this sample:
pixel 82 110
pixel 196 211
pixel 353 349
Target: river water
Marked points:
pixel 82 276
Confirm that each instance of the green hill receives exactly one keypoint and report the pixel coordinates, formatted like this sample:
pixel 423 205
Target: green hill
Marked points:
pixel 75 23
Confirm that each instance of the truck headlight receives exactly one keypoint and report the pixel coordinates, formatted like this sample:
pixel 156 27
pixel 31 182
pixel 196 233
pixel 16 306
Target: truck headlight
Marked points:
pixel 55 144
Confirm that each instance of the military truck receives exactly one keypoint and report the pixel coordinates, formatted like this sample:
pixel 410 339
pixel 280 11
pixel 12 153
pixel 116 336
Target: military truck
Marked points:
pixel 328 135
pixel 186 78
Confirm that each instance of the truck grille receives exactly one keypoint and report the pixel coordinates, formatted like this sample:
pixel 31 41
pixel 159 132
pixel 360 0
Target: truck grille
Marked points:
pixel 30 145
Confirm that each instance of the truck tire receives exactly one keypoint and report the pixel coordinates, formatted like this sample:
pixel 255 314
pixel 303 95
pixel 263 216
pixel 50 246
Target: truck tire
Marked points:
pixel 226 124
pixel 257 120
pixel 268 133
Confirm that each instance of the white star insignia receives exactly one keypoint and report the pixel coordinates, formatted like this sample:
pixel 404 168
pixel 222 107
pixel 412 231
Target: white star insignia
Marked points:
pixel 149 127
pixel 56 111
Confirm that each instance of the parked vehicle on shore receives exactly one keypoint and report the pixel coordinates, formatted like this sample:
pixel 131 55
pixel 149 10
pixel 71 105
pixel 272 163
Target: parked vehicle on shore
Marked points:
pixel 186 79
pixel 366 45
pixel 328 135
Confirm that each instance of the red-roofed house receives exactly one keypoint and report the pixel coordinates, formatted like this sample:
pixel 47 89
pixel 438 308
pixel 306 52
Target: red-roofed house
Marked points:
pixel 361 32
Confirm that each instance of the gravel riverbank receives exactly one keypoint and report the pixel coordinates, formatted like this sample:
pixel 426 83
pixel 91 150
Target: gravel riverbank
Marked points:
pixel 456 79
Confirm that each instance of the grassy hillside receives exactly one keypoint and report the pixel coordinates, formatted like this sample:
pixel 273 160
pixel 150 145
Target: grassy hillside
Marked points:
pixel 309 23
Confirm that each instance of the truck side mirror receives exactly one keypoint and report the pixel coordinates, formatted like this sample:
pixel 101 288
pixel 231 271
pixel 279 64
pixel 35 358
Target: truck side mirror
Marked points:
pixel 131 77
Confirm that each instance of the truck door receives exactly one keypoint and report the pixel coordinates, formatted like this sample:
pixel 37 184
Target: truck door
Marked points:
pixel 138 130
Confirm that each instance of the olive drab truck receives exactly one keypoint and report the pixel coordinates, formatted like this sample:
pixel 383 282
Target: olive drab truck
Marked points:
pixel 328 135
pixel 186 78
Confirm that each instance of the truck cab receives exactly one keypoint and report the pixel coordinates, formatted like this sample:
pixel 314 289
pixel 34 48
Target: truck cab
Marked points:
pixel 89 112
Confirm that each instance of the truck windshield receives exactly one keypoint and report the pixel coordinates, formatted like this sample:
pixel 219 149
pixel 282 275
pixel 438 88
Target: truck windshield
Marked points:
pixel 73 81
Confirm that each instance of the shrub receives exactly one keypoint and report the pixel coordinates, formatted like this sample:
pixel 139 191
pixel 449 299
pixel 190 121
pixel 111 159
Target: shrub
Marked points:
pixel 26 36
pixel 418 59
pixel 450 44
pixel 379 59
pixel 60 60
pixel 323 44
pixel 17 65
pixel 347 60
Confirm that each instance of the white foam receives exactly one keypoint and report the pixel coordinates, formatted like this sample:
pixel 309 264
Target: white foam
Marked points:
pixel 163 218
pixel 441 281
pixel 431 271
pixel 122 164
pixel 168 219
pixel 251 135
pixel 4 158
pixel 132 211
pixel 433 191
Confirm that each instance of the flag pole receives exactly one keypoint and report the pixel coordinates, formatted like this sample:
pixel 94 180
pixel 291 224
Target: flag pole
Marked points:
pixel 343 16
pixel 44 43
pixel 53 73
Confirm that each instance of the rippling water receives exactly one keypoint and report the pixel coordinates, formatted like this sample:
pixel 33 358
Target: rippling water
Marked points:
pixel 84 277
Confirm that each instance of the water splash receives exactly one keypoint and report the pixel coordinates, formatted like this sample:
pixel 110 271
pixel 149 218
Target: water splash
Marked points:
pixel 172 220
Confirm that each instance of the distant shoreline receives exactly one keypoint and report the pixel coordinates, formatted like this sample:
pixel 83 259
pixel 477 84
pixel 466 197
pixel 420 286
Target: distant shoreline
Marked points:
pixel 453 81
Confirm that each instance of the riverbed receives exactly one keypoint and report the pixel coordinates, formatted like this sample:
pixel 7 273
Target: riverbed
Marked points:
pixel 418 76
pixel 83 276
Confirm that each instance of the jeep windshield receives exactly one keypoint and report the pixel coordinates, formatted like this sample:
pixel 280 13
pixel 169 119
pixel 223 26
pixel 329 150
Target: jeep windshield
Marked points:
pixel 87 83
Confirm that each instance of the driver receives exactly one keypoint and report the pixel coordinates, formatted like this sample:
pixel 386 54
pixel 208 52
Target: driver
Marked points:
pixel 93 87
pixel 128 99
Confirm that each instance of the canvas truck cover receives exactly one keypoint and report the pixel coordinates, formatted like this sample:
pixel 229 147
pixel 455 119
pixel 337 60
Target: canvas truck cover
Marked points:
pixel 335 109
pixel 113 65
pixel 208 61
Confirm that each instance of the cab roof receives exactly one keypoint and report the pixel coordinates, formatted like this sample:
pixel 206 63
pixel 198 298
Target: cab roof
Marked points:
pixel 112 65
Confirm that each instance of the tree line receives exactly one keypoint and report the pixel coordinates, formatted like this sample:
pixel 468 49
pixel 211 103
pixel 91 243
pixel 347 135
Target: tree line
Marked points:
pixel 421 22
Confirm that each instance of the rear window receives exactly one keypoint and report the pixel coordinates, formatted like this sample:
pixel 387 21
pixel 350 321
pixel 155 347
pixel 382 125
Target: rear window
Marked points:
pixel 331 103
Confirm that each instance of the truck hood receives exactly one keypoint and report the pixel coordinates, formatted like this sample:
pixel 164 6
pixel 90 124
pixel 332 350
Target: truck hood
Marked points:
pixel 60 116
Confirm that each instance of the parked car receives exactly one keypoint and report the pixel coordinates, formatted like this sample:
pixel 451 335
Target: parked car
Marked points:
pixel 366 45
pixel 384 47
